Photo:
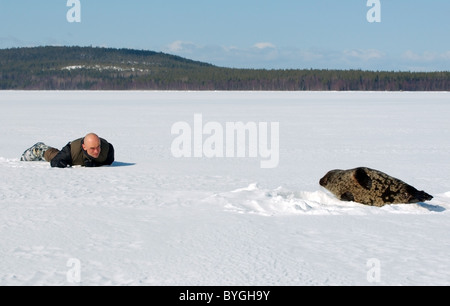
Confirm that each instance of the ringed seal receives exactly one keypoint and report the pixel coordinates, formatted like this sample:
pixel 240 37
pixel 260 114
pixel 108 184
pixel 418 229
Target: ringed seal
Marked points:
pixel 371 187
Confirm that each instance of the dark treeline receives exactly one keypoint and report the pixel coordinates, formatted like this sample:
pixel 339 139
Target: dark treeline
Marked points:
pixel 87 68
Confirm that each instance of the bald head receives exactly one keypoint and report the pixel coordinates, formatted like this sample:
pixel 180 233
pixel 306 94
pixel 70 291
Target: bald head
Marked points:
pixel 92 145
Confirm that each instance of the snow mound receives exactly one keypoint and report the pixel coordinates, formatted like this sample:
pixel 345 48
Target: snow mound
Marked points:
pixel 281 202
pixel 16 163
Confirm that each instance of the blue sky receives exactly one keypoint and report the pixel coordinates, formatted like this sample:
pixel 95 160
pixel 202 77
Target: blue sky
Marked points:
pixel 282 34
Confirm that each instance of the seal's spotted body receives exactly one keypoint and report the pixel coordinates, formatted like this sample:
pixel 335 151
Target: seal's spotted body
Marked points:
pixel 371 187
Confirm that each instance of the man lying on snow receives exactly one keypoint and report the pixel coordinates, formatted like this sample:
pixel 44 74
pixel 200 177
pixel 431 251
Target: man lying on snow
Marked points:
pixel 90 151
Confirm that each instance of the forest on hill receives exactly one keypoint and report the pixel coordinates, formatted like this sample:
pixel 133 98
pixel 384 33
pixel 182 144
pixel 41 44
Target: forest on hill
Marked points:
pixel 90 68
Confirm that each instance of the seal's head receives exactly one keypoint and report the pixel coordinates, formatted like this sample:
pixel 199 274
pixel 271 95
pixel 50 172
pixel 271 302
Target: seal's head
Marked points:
pixel 347 185
pixel 329 178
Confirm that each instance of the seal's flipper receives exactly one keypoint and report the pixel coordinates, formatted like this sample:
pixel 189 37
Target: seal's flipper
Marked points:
pixel 363 179
pixel 422 196
pixel 348 196
pixel 418 196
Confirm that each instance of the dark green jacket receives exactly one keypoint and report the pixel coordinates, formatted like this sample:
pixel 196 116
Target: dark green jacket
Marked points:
pixel 74 155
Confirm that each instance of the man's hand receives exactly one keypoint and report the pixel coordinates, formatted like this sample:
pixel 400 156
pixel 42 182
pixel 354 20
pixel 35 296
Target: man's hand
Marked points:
pixel 63 164
pixel 89 163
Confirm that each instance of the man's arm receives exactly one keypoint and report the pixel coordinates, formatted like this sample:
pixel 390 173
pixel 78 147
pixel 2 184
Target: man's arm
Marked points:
pixel 110 158
pixel 63 159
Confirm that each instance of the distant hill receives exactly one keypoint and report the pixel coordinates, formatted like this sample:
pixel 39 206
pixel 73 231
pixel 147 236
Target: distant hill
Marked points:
pixel 87 68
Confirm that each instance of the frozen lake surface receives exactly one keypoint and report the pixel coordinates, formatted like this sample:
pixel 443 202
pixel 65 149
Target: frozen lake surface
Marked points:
pixel 154 219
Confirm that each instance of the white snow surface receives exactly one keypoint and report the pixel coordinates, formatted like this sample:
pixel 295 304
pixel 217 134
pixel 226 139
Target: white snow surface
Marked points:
pixel 153 219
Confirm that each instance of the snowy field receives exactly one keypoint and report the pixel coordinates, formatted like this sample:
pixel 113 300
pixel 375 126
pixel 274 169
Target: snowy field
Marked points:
pixel 154 219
